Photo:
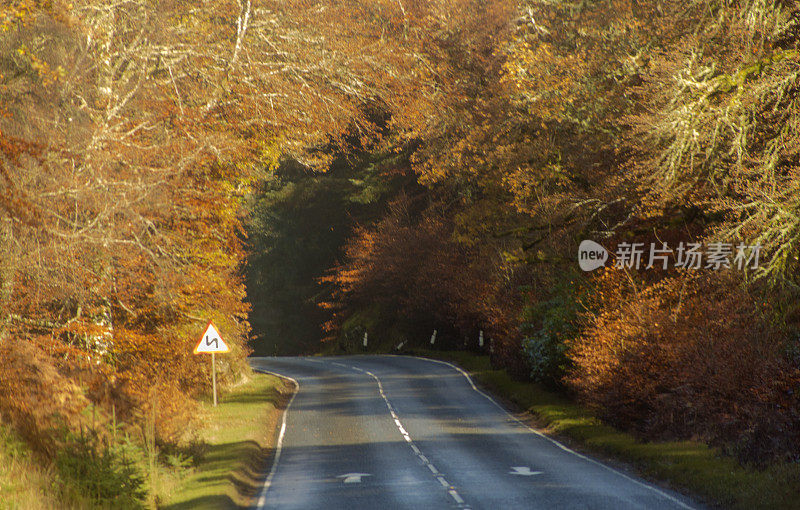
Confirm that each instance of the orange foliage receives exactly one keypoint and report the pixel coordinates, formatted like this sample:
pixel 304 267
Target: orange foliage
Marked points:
pixel 410 266
pixel 691 357
pixel 36 398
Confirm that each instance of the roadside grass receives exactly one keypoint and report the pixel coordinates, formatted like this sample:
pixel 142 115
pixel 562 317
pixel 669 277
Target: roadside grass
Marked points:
pixel 237 438
pixel 224 470
pixel 688 466
pixel 24 484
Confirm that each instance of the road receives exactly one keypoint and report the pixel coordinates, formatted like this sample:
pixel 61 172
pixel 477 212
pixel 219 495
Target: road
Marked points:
pixel 386 432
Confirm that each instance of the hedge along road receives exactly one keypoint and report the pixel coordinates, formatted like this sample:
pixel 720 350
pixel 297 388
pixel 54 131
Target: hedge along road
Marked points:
pixel 389 432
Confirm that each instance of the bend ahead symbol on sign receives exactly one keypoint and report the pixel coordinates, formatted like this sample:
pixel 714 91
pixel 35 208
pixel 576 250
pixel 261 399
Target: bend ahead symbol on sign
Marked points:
pixel 211 341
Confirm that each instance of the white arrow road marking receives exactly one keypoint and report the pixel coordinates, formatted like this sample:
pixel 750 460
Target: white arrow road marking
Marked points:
pixel 442 480
pixel 553 441
pixel 523 471
pixel 353 477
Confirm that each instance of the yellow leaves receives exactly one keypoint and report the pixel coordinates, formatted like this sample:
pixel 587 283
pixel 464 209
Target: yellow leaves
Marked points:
pixel 15 12
pixel 46 75
pixel 269 151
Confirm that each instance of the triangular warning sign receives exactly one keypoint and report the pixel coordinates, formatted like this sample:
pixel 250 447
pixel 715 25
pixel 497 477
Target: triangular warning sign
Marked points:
pixel 211 341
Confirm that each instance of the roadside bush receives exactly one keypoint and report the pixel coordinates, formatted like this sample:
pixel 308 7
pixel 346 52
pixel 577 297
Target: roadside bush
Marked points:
pixel 109 477
pixel 549 325
pixel 35 398
pixel 694 357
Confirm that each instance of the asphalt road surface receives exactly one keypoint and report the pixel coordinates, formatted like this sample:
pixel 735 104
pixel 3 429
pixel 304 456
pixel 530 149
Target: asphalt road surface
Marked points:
pixel 386 432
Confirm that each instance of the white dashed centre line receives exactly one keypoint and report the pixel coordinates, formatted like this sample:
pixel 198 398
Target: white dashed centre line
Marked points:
pixel 442 480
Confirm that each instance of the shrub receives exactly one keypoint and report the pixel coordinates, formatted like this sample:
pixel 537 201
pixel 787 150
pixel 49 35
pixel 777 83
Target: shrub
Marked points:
pixel 694 357
pixel 549 325
pixel 107 476
pixel 546 357
pixel 35 398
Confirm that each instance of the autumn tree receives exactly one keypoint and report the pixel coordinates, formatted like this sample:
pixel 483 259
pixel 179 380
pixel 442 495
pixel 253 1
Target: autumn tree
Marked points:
pixel 129 136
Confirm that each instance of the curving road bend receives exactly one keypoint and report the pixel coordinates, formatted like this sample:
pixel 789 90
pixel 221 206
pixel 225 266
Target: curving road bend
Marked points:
pixel 387 432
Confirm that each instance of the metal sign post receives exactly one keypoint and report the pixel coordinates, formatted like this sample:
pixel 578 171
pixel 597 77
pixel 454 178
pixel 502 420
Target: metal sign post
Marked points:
pixel 214 376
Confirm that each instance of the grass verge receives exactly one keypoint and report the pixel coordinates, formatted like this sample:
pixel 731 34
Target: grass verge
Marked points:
pixel 224 472
pixel 24 483
pixel 238 437
pixel 688 466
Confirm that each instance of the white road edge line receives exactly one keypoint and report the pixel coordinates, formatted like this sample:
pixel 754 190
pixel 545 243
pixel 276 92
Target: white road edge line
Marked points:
pixel 262 499
pixel 451 490
pixel 548 438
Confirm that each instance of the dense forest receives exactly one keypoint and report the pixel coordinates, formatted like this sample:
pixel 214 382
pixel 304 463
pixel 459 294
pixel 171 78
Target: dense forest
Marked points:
pixel 304 172
pixel 533 127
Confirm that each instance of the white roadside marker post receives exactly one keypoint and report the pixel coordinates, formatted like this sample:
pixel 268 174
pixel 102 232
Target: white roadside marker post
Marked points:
pixel 211 342
pixel 365 338
pixel 480 339
pixel 433 337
